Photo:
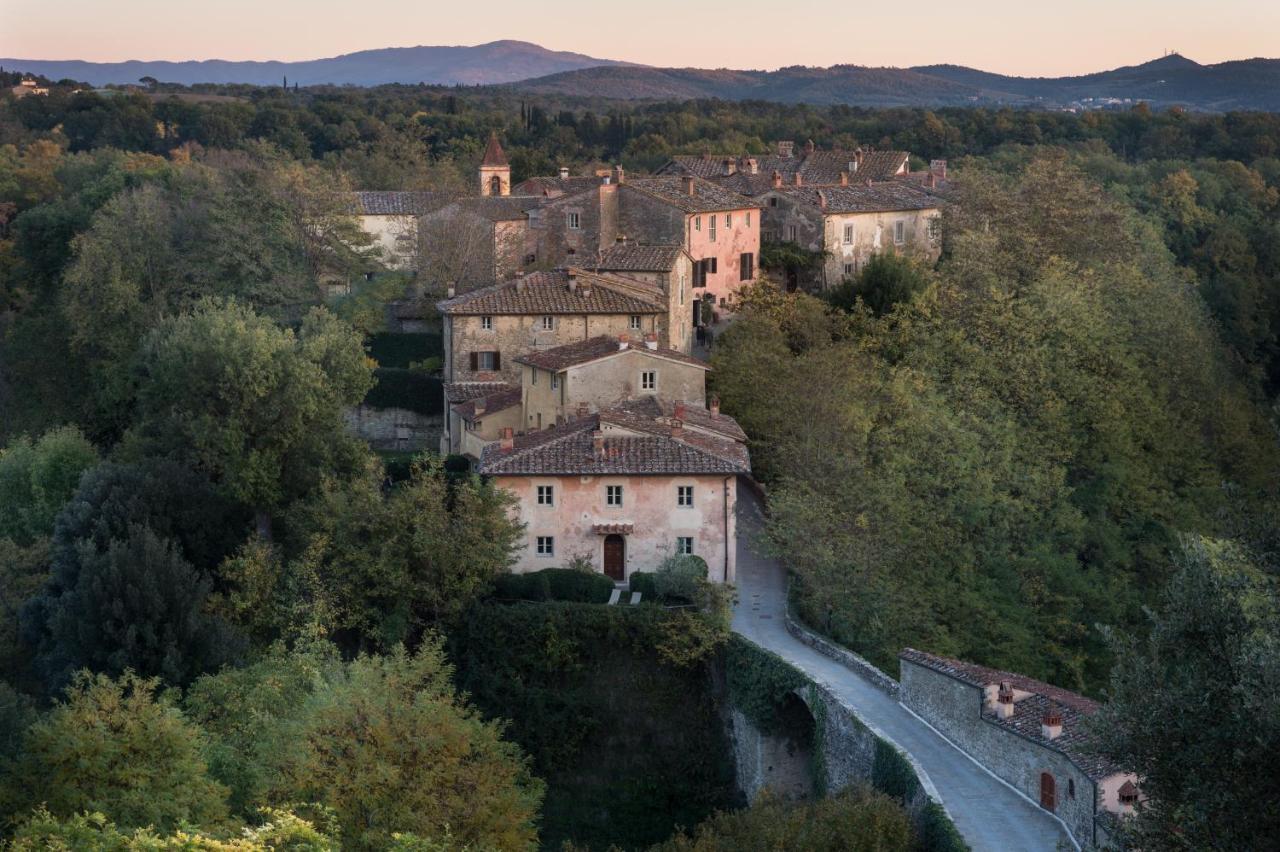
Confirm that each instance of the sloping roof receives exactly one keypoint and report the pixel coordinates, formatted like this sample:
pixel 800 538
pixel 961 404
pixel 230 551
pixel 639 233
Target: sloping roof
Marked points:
pixel 493 153
pixel 824 167
pixel 540 293
pixel 501 208
pixel 390 203
pixel 569 450
pixel 636 413
pixel 556 186
pixel 499 400
pixel 1030 711
pixel 633 257
pixel 861 198
pixel 706 197
pixel 594 348
pixel 456 392
pixel 819 168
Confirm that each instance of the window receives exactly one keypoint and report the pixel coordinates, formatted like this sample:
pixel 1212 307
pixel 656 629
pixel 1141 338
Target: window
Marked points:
pixel 697 223
pixel 546 495
pixel 791 233
pixel 773 202
pixel 534 371
pixel 935 228
pixel 728 221
pixel 848 234
pixel 684 495
pixel 899 233
pixel 613 495
pixel 530 259
pixel 684 545
pixel 546 545
pixel 746 266
pixel 682 288
pixel 548 323
pixel 573 219
pixel 555 381
pixel 486 323
pixel 712 234
pixel 634 323
pixel 748 218
pixel 486 361
pixel 848 269
pixel 649 380
pixel 1071 788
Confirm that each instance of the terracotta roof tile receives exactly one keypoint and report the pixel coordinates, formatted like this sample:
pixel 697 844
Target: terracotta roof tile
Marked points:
pixel 706 197
pixel 644 412
pixel 501 208
pixel 860 198
pixel 595 348
pixel 548 293
pixel 508 396
pixel 633 257
pixel 493 153
pixel 554 187
pixel 456 392
pixel 379 203
pixel 817 168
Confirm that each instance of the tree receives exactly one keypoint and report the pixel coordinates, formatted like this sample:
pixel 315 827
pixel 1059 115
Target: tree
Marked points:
pixel 119 748
pixel 1193 707
pixel 256 408
pixel 281 830
pixel 885 281
pixel 37 478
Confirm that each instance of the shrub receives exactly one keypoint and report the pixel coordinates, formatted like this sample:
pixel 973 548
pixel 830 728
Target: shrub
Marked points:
pixel 646 584
pixel 680 578
pixel 407 389
pixel 394 350
pixel 555 584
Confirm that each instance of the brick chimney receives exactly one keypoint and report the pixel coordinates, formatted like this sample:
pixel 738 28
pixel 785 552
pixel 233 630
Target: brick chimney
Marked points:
pixel 508 442
pixel 752 165
pixel 564 172
pixel 583 410
pixel 478 404
pixel 713 405
pixel 651 341
pixel 572 275
pixel 799 181
pixel 677 428
pixel 679 411
pixel 777 179
pixel 938 168
pixel 1051 724
pixel 822 200
pixel 786 148
pixel 844 178
pixel 624 341
pixel 686 182
pixel 730 166
pixel 809 147
pixel 619 176
pixel 1004 700
pixel 597 443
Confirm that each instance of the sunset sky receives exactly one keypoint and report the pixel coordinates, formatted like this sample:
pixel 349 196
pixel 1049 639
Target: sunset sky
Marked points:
pixel 1030 38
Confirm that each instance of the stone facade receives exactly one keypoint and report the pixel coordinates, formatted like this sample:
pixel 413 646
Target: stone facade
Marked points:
pixel 955 708
pixel 393 428
pixel 782 765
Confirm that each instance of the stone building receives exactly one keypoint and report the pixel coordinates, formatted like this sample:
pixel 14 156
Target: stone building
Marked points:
pixel 391 218
pixel 751 175
pixel 625 488
pixel 477 413
pixel 850 222
pixel 1028 733
pixel 585 377
pixel 495 170
pixel 576 218
pixel 719 229
pixel 667 267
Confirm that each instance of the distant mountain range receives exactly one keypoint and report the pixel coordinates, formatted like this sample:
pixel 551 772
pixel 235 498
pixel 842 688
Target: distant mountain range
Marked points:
pixel 496 62
pixel 1171 80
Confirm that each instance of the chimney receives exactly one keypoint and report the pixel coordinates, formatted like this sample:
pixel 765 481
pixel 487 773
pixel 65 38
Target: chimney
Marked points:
pixel 520 285
pixel 930 180
pixel 619 176
pixel 714 406
pixel 844 178
pixel 677 428
pixel 809 147
pixel 785 148
pixel 1051 724
pixel 508 439
pixel 799 181
pixel 679 411
pixel 1004 700
pixel 651 341
pixel 687 182
pixel 777 179
pixel 479 405
pixel 451 291
pixel 822 200
pixel 730 167
pixel 624 341
pixel 572 276
pixel 597 443
pixel 583 410
pixel 621 239
pixel 753 166
pixel 564 172
pixel 938 168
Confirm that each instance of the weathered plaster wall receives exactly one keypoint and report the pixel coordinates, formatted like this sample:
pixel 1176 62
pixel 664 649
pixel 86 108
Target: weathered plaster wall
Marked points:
pixel 486 429
pixel 736 232
pixel 780 764
pixel 649 504
pixel 396 236
pixel 393 428
pixel 954 708
pixel 873 233
pixel 554 398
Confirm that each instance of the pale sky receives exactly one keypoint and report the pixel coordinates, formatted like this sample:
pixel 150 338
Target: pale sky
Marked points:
pixel 1029 38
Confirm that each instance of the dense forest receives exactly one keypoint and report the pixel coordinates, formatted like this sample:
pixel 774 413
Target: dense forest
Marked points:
pixel 1034 454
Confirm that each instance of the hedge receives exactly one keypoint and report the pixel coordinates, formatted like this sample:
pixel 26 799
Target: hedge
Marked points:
pixel 407 389
pixel 554 584
pixel 759 682
pixel 394 350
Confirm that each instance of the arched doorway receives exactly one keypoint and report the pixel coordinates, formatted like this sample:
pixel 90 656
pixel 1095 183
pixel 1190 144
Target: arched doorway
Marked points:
pixel 615 556
pixel 1048 792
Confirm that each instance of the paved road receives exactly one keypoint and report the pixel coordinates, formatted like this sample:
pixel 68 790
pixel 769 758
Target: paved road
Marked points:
pixel 989 815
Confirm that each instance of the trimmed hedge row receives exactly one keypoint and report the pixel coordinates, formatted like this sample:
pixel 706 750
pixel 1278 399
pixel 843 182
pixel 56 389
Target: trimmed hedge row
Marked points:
pixel 407 389
pixel 554 584
pixel 395 350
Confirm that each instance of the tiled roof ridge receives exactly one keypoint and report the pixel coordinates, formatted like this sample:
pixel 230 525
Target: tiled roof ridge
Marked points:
pixel 646 299
pixel 980 675
pixel 600 346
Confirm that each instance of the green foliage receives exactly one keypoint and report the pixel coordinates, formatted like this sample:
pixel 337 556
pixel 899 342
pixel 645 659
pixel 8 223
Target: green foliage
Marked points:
pixel 401 350
pixel 281 831
pixel 119 748
pixel 681 577
pixel 760 683
pixel 37 478
pixel 554 584
pixel 791 258
pixel 936 832
pixel 254 406
pixel 885 281
pixel 412 390
pixel 892 774
pixel 1192 707
pixel 853 819
pixel 592 703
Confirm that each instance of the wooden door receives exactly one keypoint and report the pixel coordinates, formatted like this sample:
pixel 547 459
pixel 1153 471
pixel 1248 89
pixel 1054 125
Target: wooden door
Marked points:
pixel 1048 792
pixel 615 555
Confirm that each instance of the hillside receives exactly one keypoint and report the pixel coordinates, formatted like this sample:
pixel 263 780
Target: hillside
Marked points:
pixel 496 62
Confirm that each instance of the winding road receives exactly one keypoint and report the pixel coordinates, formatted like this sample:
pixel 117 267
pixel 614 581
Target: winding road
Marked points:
pixel 990 815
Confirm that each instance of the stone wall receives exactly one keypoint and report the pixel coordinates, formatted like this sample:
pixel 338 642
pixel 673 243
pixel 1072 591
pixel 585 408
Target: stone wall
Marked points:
pixel 781 764
pixel 842 655
pixel 954 708
pixel 394 428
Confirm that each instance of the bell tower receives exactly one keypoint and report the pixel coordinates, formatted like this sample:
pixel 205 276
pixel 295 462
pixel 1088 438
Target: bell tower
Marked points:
pixel 495 171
